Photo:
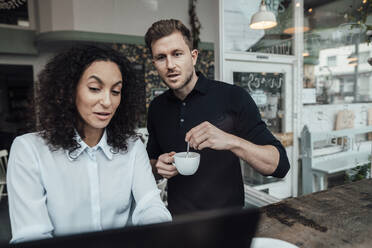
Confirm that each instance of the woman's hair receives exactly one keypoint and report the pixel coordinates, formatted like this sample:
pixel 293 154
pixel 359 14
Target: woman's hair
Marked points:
pixel 57 117
pixel 164 28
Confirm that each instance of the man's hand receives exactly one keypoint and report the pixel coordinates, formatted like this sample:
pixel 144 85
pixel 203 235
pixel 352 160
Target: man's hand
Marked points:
pixel 164 165
pixel 206 135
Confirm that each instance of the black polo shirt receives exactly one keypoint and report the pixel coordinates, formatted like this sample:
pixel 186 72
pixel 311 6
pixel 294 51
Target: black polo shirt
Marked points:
pixel 218 181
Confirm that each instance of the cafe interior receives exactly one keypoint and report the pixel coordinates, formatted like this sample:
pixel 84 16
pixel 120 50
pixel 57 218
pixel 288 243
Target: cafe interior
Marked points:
pixel 307 64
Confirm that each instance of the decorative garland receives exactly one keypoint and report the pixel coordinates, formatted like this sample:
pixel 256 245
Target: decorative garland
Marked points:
pixel 195 23
pixel 11 4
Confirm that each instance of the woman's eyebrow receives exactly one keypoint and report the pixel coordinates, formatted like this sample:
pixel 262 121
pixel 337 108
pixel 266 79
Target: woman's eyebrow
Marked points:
pixel 97 78
pixel 101 82
pixel 118 82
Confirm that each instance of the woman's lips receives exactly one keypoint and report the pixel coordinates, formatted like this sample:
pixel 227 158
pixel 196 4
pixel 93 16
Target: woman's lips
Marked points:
pixel 102 115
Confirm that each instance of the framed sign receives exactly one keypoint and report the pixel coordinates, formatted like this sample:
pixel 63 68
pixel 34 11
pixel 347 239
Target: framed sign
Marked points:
pixel 266 90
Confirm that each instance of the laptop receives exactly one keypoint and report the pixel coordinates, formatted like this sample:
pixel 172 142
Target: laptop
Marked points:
pixel 218 228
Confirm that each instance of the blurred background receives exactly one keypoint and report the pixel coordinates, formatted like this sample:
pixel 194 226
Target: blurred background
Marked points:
pixel 304 62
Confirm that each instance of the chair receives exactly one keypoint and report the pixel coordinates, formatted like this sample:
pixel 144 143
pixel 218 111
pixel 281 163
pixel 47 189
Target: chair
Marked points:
pixel 143 133
pixel 3 165
pixel 162 185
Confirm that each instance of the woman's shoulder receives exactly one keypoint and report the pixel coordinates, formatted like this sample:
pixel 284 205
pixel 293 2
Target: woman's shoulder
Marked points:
pixel 34 139
pixel 134 142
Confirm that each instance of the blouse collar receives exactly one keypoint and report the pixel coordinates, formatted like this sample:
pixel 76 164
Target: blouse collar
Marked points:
pixel 106 148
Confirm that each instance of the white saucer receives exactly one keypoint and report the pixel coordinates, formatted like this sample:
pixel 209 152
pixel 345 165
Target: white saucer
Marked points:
pixel 270 243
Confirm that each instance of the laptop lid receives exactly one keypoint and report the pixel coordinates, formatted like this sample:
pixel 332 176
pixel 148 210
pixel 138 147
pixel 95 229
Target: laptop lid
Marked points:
pixel 217 228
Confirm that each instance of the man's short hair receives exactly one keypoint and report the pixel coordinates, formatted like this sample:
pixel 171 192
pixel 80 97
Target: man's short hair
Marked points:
pixel 164 28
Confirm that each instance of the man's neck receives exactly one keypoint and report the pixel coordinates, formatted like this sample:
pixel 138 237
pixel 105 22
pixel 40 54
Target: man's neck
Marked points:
pixel 185 91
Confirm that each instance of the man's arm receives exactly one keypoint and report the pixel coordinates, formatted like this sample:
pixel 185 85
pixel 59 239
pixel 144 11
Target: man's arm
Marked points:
pixel 263 158
pixel 162 166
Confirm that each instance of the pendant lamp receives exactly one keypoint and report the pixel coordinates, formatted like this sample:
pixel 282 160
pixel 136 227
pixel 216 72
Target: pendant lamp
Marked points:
pixel 263 19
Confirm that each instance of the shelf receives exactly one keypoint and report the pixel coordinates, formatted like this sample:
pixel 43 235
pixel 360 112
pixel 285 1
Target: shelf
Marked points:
pixel 327 150
pixel 340 161
pixel 318 136
pixel 332 157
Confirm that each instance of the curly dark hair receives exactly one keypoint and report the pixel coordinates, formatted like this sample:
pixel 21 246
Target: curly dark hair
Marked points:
pixel 56 113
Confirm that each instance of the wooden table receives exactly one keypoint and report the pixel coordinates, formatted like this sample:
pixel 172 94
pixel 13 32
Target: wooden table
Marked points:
pixel 338 217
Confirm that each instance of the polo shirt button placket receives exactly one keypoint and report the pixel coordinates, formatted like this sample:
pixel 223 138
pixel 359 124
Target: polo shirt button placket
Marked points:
pixel 182 114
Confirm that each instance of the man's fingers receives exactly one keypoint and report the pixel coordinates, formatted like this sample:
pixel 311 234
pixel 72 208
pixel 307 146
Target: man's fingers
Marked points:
pixel 166 170
pixel 164 166
pixel 167 174
pixel 199 140
pixel 205 144
pixel 199 136
pixel 196 129
pixel 168 167
pixel 167 158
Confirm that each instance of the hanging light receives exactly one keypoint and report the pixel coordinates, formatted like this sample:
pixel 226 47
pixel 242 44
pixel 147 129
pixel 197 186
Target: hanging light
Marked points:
pixel 290 29
pixel 263 19
pixel 305 53
pixel 353 63
pixel 352 57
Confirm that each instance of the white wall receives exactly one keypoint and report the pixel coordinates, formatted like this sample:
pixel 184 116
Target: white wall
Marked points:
pixel 130 17
pixel 127 17
pixel 55 15
pixel 320 118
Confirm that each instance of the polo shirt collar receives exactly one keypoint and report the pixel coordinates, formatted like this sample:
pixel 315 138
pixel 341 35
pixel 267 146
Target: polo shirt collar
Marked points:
pixel 200 86
pixel 107 150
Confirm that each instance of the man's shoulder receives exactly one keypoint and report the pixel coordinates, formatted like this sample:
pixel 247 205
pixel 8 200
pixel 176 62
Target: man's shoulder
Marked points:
pixel 160 99
pixel 236 95
pixel 224 86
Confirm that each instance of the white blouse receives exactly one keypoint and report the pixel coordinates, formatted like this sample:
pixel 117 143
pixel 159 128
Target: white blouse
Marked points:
pixel 90 189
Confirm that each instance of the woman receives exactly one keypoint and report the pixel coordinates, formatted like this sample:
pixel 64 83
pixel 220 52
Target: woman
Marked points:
pixel 84 169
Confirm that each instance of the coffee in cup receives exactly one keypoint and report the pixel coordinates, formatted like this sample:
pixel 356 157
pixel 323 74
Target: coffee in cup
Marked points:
pixel 186 165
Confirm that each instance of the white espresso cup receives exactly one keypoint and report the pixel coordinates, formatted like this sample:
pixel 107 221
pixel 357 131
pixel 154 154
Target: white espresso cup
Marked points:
pixel 186 165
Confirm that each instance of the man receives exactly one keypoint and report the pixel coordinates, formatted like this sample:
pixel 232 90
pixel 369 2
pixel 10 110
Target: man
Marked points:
pixel 219 120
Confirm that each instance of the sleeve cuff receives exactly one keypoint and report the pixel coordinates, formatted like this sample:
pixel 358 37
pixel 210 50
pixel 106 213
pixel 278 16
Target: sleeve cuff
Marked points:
pixel 150 200
pixel 31 233
pixel 283 165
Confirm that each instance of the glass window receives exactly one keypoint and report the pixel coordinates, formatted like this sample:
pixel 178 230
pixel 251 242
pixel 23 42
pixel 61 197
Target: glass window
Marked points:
pixel 363 57
pixel 337 49
pixel 239 36
pixel 332 61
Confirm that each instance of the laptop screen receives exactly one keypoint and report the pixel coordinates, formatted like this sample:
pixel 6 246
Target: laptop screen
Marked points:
pixel 217 228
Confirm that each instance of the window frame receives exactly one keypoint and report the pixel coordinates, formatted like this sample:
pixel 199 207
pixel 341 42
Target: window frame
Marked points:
pixel 31 15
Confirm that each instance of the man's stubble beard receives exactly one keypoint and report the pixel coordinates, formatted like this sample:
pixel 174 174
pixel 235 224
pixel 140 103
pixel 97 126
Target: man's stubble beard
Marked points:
pixel 185 83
